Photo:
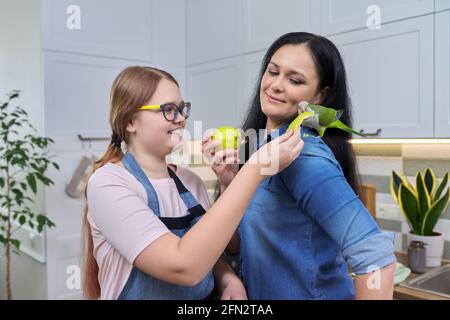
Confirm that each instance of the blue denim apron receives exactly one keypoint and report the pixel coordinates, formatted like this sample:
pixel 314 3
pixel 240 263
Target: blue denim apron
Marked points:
pixel 141 286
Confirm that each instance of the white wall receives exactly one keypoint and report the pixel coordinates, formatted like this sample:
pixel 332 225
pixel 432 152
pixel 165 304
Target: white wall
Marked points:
pixel 20 68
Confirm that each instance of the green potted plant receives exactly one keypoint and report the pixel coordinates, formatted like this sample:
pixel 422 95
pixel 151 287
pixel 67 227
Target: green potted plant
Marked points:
pixel 422 204
pixel 23 164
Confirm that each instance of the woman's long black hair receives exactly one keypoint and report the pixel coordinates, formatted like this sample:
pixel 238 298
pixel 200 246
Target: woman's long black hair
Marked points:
pixel 331 73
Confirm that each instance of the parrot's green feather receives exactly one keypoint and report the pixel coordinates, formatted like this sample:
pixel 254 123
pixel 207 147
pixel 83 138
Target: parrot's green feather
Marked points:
pixel 298 121
pixel 338 124
pixel 322 131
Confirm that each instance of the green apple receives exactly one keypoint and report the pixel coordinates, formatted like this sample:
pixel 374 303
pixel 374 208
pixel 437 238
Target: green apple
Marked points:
pixel 229 137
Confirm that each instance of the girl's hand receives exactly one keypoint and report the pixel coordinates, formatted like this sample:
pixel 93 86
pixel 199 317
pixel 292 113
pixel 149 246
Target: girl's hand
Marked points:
pixel 234 290
pixel 224 163
pixel 275 156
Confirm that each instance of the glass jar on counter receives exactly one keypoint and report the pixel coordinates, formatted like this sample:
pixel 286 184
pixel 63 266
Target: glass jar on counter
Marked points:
pixel 417 256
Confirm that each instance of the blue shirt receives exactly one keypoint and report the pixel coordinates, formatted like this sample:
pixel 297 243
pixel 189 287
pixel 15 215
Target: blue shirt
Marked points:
pixel 305 226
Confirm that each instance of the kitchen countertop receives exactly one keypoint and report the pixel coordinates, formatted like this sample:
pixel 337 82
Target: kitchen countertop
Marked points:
pixel 404 293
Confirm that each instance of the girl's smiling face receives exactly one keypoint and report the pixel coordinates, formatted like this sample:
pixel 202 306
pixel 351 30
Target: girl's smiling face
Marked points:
pixel 151 130
pixel 290 77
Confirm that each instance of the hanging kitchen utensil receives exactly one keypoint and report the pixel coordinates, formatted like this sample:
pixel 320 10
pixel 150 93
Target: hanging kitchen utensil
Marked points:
pixel 75 187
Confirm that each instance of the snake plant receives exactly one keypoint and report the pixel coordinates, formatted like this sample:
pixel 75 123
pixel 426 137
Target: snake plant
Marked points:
pixel 421 203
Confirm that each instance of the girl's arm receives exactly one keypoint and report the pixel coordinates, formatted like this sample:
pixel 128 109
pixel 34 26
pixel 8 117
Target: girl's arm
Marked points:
pixel 228 284
pixel 186 261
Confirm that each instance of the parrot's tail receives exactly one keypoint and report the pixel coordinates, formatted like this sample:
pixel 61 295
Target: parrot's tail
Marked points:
pixel 338 124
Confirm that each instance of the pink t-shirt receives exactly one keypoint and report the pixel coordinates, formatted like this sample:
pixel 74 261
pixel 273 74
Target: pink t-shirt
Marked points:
pixel 123 225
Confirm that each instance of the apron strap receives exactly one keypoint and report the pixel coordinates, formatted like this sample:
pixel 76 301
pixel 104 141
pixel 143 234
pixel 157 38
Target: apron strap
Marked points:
pixel 135 169
pixel 195 209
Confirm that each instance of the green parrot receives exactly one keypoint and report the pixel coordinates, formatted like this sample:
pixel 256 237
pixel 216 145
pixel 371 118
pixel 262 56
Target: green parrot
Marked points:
pixel 320 118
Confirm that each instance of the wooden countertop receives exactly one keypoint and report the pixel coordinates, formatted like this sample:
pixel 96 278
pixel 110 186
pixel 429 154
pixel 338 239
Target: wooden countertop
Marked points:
pixel 404 293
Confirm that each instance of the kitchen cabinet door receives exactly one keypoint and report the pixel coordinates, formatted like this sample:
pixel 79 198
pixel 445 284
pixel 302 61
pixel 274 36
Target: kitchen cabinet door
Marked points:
pixel 390 75
pixel 111 28
pixel 213 30
pixel 344 15
pixel 266 20
pixel 214 89
pixel 442 76
pixel 441 5
pixel 76 93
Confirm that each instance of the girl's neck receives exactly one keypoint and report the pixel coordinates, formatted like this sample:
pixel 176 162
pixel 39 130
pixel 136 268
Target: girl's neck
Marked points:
pixel 154 167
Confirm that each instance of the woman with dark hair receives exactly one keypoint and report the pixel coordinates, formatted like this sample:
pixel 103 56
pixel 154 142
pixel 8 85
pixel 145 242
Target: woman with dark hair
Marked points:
pixel 306 225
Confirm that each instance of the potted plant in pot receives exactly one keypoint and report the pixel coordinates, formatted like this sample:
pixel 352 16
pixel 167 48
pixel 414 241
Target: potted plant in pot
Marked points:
pixel 24 161
pixel 422 204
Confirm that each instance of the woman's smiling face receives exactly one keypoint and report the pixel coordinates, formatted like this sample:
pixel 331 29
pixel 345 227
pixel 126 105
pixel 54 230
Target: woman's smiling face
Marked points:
pixel 290 77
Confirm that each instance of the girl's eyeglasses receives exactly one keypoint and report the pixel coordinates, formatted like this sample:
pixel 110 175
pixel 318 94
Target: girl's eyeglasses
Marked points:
pixel 171 110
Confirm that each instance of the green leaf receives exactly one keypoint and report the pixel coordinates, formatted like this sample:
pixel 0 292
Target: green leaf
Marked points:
pixel 429 178
pixel 14 94
pixel 22 220
pixel 18 193
pixel 441 187
pixel 2 182
pixel 55 165
pixel 15 243
pixel 32 182
pixel 423 196
pixel 433 215
pixel 46 181
pixel 43 221
pixel 410 207
pixel 24 186
pixel 396 181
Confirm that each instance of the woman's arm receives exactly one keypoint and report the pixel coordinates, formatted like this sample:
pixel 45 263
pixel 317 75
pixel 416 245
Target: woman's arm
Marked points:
pixel 322 192
pixel 228 284
pixel 378 285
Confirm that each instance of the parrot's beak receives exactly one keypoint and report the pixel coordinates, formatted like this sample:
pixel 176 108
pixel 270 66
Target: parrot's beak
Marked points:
pixel 302 106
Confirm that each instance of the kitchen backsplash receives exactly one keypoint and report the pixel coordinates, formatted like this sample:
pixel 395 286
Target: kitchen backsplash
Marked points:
pixel 375 165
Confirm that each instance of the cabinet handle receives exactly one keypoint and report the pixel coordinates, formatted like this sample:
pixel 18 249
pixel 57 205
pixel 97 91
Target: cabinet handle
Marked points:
pixel 374 134
pixel 81 138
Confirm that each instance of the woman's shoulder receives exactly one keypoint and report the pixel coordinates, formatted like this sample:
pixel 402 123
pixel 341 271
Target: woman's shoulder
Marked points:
pixel 314 146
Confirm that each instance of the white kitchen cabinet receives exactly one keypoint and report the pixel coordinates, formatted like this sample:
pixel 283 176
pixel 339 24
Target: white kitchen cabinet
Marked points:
pixel 76 96
pixel 266 20
pixel 111 28
pixel 213 30
pixel 344 15
pixel 441 5
pixel 215 91
pixel 390 75
pixel 442 75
